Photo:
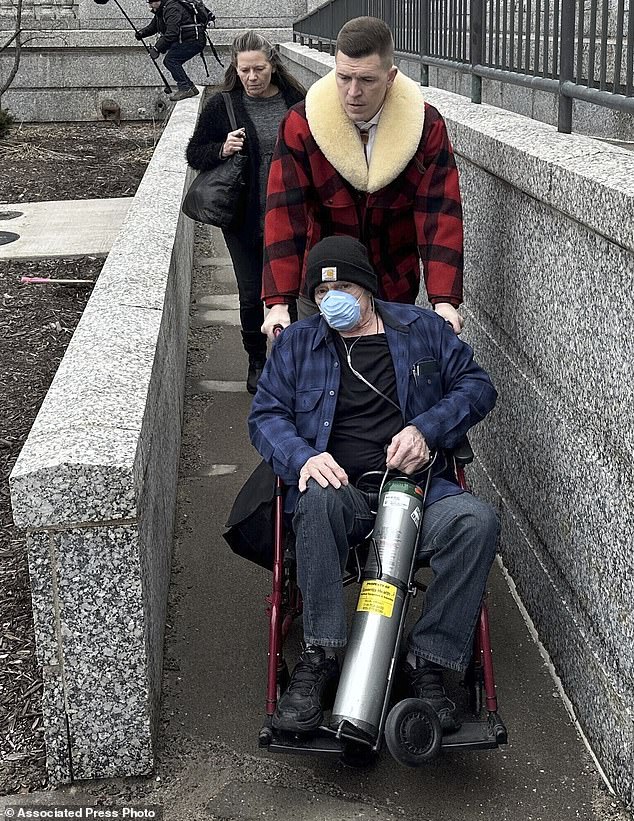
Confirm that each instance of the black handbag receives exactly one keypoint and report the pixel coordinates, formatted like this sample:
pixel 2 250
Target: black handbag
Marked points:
pixel 216 197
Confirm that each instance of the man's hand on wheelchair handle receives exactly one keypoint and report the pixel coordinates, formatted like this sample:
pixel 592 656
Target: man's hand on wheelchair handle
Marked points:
pixel 277 315
pixel 324 470
pixel 447 311
pixel 408 451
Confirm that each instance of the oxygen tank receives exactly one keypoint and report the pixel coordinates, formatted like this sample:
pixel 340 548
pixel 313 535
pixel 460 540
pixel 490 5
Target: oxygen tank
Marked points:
pixel 378 621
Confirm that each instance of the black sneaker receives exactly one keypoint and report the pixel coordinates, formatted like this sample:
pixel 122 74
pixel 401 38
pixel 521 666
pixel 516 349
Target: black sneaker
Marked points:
pixel 311 689
pixel 425 682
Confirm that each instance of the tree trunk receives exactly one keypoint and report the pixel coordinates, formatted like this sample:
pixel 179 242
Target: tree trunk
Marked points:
pixel 17 38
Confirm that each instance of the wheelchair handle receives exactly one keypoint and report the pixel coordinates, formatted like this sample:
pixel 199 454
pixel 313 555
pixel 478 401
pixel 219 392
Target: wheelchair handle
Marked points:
pixel 463 453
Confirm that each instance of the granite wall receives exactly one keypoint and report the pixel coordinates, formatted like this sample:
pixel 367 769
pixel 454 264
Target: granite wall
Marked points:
pixel 78 53
pixel 67 75
pixel 549 240
pixel 95 486
pixel 591 120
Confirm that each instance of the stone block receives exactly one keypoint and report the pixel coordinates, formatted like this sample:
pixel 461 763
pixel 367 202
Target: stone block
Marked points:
pixel 95 485
pixel 41 557
pixel 602 710
pixel 463 84
pixel 546 108
pixel 517 99
pixel 33 105
pixel 58 760
pixel 105 656
pixel 565 513
pixel 66 75
pixel 529 155
pixel 97 465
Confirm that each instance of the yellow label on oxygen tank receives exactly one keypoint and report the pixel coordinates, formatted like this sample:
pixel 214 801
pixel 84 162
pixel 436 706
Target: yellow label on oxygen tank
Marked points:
pixel 377 597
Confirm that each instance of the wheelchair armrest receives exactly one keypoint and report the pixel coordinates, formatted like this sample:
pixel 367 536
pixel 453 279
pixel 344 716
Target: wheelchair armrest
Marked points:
pixel 463 454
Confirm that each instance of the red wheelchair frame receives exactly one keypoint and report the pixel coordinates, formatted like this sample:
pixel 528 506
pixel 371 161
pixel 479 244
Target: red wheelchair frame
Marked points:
pixel 284 604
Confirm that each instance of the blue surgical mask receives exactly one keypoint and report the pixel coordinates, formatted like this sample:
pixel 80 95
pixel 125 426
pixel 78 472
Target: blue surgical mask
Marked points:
pixel 341 310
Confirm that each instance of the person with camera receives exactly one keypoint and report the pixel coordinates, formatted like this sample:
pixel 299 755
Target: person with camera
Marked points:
pixel 181 38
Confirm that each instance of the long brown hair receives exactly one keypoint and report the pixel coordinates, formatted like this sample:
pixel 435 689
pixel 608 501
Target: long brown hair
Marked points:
pixel 252 41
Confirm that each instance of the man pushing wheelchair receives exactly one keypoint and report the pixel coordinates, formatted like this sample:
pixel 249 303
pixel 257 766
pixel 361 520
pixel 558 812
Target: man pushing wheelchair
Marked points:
pixel 362 386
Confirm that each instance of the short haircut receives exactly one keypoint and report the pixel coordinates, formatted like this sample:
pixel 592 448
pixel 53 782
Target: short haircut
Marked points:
pixel 363 36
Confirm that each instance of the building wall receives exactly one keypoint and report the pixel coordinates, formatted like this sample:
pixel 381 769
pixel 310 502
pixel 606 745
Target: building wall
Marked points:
pixel 79 54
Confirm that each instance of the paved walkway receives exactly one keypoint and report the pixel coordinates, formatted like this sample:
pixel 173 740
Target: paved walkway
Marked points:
pixel 209 765
pixel 68 228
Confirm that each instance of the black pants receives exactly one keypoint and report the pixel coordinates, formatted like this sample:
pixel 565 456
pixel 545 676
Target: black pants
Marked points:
pixel 306 307
pixel 246 255
pixel 177 54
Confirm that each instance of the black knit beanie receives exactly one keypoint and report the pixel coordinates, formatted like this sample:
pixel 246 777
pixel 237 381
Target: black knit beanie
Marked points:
pixel 337 259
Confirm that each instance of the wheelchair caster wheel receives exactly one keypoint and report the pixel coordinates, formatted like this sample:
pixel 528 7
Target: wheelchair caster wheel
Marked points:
pixel 413 733
pixel 265 737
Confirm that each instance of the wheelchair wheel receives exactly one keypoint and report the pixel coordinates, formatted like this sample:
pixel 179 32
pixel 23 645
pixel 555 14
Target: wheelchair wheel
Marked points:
pixel 413 733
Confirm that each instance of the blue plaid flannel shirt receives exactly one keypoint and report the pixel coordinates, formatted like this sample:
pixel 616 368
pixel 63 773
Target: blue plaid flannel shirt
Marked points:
pixel 441 390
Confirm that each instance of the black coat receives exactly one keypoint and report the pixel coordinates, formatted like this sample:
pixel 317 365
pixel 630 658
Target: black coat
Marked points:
pixel 203 151
pixel 251 520
pixel 173 21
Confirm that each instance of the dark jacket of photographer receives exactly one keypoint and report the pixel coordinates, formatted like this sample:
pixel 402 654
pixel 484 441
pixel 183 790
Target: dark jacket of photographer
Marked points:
pixel 175 23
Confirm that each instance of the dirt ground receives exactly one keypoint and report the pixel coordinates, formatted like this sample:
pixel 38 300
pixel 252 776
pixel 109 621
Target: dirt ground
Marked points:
pixel 42 162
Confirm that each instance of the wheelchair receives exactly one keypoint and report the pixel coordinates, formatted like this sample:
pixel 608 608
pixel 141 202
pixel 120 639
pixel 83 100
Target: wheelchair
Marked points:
pixel 409 727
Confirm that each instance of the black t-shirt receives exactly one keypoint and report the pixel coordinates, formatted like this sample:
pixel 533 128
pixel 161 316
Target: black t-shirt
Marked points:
pixel 364 422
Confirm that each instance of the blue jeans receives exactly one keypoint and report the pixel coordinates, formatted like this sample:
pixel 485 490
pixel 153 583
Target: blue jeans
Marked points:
pixel 180 53
pixel 458 539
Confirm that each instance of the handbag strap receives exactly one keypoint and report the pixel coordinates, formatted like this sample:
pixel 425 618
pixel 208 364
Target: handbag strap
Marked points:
pixel 229 106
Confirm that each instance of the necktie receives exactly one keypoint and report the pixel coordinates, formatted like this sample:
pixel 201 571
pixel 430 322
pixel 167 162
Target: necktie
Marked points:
pixel 365 136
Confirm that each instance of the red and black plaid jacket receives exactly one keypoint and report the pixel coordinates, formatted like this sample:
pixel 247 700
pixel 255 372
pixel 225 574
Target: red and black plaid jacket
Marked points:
pixel 416 217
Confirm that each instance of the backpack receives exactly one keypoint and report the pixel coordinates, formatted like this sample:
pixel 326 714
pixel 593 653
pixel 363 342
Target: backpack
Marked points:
pixel 201 14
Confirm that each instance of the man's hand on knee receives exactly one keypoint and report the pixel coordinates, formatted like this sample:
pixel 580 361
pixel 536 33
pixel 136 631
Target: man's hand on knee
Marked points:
pixel 278 315
pixel 407 451
pixel 324 470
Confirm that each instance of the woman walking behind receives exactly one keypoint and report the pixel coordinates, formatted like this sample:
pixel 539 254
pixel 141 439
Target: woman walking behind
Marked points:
pixel 262 90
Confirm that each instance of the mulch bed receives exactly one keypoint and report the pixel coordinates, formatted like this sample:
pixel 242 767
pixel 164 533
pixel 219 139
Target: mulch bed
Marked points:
pixel 42 162
pixel 74 162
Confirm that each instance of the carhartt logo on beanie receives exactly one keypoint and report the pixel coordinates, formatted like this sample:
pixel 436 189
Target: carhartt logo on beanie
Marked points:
pixel 337 259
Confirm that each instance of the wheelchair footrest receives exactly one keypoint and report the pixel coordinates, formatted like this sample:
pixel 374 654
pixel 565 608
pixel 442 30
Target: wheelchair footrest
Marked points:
pixel 477 735
pixel 322 743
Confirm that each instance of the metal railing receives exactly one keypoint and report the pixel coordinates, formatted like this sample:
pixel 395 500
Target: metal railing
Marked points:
pixel 576 49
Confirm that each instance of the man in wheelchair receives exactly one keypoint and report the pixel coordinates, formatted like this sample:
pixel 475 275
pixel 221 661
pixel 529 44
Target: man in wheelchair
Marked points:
pixel 363 386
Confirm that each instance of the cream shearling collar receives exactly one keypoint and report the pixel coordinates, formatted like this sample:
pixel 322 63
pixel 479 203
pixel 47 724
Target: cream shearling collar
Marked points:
pixel 397 135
